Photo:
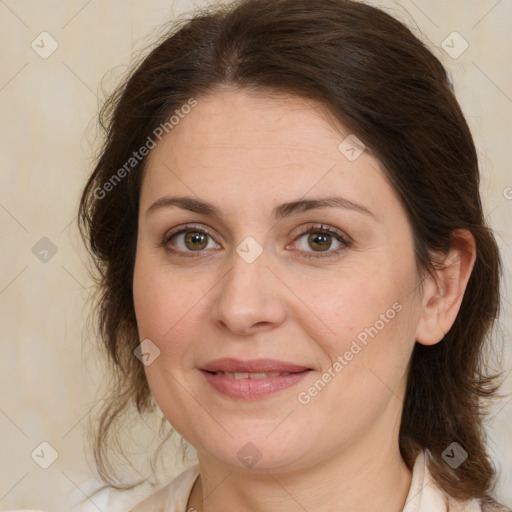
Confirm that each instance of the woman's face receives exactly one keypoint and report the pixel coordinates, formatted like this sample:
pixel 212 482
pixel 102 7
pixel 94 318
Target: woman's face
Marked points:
pixel 249 268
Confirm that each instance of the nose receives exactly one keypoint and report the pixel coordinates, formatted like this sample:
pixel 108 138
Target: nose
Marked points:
pixel 250 298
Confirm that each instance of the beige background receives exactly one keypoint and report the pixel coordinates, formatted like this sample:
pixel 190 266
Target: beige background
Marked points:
pixel 47 111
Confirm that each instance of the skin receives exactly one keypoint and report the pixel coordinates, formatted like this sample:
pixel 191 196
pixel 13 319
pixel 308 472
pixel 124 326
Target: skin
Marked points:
pixel 246 154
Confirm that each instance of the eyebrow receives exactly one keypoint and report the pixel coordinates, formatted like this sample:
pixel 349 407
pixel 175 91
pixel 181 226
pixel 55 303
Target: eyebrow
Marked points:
pixel 284 210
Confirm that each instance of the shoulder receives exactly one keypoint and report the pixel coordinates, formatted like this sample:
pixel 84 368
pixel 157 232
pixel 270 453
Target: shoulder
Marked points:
pixel 173 496
pixel 154 503
pixel 489 504
pixel 426 496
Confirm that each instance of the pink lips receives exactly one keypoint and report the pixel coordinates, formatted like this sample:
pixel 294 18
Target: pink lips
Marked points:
pixel 252 366
pixel 255 385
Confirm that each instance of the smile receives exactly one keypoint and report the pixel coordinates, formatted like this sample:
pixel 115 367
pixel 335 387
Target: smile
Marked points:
pixel 246 375
pixel 252 386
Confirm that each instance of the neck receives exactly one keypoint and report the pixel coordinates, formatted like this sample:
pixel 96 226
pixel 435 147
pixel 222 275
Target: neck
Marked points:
pixel 359 478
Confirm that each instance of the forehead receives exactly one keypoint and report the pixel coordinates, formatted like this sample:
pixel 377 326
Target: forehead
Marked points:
pixel 229 122
pixel 248 145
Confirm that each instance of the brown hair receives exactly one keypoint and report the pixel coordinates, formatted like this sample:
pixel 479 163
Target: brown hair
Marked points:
pixel 382 83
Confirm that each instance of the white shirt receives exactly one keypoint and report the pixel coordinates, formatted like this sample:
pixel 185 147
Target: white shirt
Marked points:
pixel 424 495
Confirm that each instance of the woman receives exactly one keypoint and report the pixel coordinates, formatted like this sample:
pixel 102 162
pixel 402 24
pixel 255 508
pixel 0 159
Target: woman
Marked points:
pixel 295 264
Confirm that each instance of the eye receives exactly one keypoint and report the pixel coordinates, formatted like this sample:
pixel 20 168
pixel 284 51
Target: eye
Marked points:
pixel 318 241
pixel 189 239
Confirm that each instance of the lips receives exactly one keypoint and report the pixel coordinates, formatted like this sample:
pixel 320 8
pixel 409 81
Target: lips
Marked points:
pixel 252 366
pixel 247 375
pixel 254 379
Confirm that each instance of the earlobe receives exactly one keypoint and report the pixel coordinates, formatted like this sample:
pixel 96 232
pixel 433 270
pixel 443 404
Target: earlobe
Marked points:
pixel 443 291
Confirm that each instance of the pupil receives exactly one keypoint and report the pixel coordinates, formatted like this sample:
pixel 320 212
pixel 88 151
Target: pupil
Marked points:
pixel 197 240
pixel 319 240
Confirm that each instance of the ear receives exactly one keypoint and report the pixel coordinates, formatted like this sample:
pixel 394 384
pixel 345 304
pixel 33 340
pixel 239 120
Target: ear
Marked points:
pixel 443 292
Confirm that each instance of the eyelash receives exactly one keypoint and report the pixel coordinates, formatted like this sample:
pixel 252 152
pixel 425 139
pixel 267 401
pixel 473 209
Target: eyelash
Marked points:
pixel 308 229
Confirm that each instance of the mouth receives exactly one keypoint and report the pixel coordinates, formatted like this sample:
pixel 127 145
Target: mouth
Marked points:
pixel 252 366
pixel 252 379
pixel 247 375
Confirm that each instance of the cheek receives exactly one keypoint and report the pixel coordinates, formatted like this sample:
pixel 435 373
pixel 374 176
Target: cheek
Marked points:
pixel 164 308
pixel 367 326
pixel 150 301
pixel 167 304
pixel 347 303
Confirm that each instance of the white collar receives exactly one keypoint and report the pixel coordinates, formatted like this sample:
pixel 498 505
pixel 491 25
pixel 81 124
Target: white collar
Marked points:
pixel 424 494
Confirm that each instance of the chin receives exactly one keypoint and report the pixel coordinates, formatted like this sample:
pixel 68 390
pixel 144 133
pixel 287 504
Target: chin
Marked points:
pixel 258 452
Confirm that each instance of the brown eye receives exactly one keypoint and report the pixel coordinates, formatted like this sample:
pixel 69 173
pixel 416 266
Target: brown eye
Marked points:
pixel 320 241
pixel 196 241
pixel 189 240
